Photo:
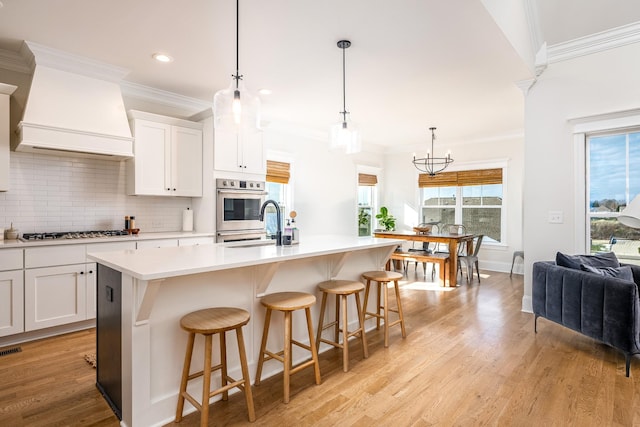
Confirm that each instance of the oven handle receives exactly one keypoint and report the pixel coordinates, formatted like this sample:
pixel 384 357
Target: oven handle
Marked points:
pixel 237 232
pixel 251 192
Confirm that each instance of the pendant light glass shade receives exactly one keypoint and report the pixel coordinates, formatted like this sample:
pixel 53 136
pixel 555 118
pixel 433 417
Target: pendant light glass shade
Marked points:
pixel 345 136
pixel 236 108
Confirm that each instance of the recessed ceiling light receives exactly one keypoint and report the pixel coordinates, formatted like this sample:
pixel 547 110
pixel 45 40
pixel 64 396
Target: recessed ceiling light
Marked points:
pixel 162 57
pixel 265 91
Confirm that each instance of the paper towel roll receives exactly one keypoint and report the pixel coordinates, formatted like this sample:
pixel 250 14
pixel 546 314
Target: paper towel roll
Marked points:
pixel 187 220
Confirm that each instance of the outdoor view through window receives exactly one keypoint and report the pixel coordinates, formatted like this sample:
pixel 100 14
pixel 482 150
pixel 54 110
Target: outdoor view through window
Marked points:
pixel 613 165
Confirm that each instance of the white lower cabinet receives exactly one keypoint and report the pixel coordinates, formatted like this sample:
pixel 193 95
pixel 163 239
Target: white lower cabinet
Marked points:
pixel 11 302
pixel 195 241
pixel 55 296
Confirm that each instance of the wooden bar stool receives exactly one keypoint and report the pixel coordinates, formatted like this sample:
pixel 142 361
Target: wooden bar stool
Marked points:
pixel 341 289
pixel 288 302
pixel 208 322
pixel 383 278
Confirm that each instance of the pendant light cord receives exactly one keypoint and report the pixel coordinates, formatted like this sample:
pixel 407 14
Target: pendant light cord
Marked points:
pixel 344 86
pixel 237 76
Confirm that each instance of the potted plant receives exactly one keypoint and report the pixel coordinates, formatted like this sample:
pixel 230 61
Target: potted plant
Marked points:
pixel 364 219
pixel 386 220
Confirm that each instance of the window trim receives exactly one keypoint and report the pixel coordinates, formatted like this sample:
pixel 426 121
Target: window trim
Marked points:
pixel 592 125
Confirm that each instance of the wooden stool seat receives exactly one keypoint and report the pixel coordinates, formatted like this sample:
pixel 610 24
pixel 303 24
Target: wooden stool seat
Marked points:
pixel 382 278
pixel 341 289
pixel 288 302
pixel 208 322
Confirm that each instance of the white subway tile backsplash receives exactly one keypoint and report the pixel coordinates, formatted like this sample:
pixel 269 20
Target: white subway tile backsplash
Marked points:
pixel 54 193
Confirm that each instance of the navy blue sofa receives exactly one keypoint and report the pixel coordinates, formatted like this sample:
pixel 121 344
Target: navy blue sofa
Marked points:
pixel 606 309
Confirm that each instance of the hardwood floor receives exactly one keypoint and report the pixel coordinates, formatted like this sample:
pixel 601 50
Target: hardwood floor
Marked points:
pixel 470 358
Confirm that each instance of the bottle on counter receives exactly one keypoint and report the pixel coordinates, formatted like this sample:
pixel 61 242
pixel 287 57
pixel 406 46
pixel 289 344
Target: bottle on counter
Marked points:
pixel 132 222
pixel 127 223
pixel 295 231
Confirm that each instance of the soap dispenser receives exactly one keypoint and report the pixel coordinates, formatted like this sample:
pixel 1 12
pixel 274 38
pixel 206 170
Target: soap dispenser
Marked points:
pixel 295 231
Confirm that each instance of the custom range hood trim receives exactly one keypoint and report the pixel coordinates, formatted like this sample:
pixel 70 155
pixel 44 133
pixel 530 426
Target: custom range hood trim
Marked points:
pixel 74 107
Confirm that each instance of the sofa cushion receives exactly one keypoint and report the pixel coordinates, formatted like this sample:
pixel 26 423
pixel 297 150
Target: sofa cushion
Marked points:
pixel 607 259
pixel 623 273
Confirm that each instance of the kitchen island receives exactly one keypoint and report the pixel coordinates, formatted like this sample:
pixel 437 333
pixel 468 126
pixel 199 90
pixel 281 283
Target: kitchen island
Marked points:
pixel 142 295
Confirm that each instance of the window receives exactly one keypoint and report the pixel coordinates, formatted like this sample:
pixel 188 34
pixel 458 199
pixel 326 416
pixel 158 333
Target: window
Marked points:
pixel 613 180
pixel 366 202
pixel 278 189
pixel 472 198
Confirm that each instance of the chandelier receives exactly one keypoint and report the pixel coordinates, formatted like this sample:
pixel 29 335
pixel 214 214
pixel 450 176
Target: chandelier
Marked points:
pixel 431 164
pixel 345 134
pixel 235 108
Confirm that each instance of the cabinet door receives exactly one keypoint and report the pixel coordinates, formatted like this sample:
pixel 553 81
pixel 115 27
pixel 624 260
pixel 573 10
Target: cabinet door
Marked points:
pixel 253 159
pixel 186 162
pixel 226 156
pixel 11 303
pixel 54 296
pixel 90 274
pixel 152 148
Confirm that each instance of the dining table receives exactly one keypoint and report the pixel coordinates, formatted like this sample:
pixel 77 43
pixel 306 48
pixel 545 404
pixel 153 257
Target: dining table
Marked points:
pixel 453 240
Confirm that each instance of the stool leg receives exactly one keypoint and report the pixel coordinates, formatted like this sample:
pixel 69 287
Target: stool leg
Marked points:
pixel 314 353
pixel 345 334
pixel 378 306
pixel 399 303
pixel 223 364
pixel 185 376
pixel 287 354
pixel 336 327
pixel 206 381
pixel 321 320
pixel 366 299
pixel 248 395
pixel 385 312
pixel 263 346
pixel 363 337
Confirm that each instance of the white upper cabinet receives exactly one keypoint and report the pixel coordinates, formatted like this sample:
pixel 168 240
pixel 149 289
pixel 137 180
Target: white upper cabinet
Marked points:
pixel 168 156
pixel 239 153
pixel 5 93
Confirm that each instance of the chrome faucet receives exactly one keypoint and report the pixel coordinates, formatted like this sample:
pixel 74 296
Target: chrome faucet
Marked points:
pixel 278 219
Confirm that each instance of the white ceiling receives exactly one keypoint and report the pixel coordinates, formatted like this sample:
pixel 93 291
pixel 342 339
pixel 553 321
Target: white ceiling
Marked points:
pixel 412 64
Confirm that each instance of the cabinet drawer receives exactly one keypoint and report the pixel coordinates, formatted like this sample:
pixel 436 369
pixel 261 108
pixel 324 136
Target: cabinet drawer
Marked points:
pixel 111 246
pixel 160 243
pixel 54 255
pixel 11 259
pixel 193 241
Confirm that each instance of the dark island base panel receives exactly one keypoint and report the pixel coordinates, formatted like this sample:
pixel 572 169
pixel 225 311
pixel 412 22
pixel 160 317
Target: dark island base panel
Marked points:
pixel 109 337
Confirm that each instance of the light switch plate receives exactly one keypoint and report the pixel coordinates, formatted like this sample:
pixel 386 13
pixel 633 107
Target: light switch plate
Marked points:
pixel 555 217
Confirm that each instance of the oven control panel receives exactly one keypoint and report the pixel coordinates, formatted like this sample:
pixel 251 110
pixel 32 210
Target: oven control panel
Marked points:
pixel 237 184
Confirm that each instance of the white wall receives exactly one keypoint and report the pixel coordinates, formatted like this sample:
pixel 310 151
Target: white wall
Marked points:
pixel 402 195
pixel 599 83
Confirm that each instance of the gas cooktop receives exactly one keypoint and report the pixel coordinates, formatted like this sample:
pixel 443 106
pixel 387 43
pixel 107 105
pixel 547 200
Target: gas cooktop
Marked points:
pixel 29 237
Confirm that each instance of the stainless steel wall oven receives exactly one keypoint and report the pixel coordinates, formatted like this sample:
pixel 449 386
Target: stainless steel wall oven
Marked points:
pixel 238 209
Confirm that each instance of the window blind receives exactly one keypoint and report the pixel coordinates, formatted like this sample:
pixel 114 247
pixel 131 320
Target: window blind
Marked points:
pixel 366 179
pixel 461 178
pixel 278 172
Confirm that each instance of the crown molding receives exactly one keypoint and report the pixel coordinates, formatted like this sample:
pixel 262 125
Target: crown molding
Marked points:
pixel 163 97
pixel 598 42
pixel 36 54
pixel 13 61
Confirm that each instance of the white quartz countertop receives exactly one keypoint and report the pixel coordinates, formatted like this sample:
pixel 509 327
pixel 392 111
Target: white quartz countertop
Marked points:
pixel 158 263
pixel 142 236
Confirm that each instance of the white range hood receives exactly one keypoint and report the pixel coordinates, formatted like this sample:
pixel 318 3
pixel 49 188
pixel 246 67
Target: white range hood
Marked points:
pixel 74 107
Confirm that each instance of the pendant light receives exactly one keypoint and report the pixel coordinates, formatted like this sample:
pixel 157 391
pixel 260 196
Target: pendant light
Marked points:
pixel 345 134
pixel 430 164
pixel 235 108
